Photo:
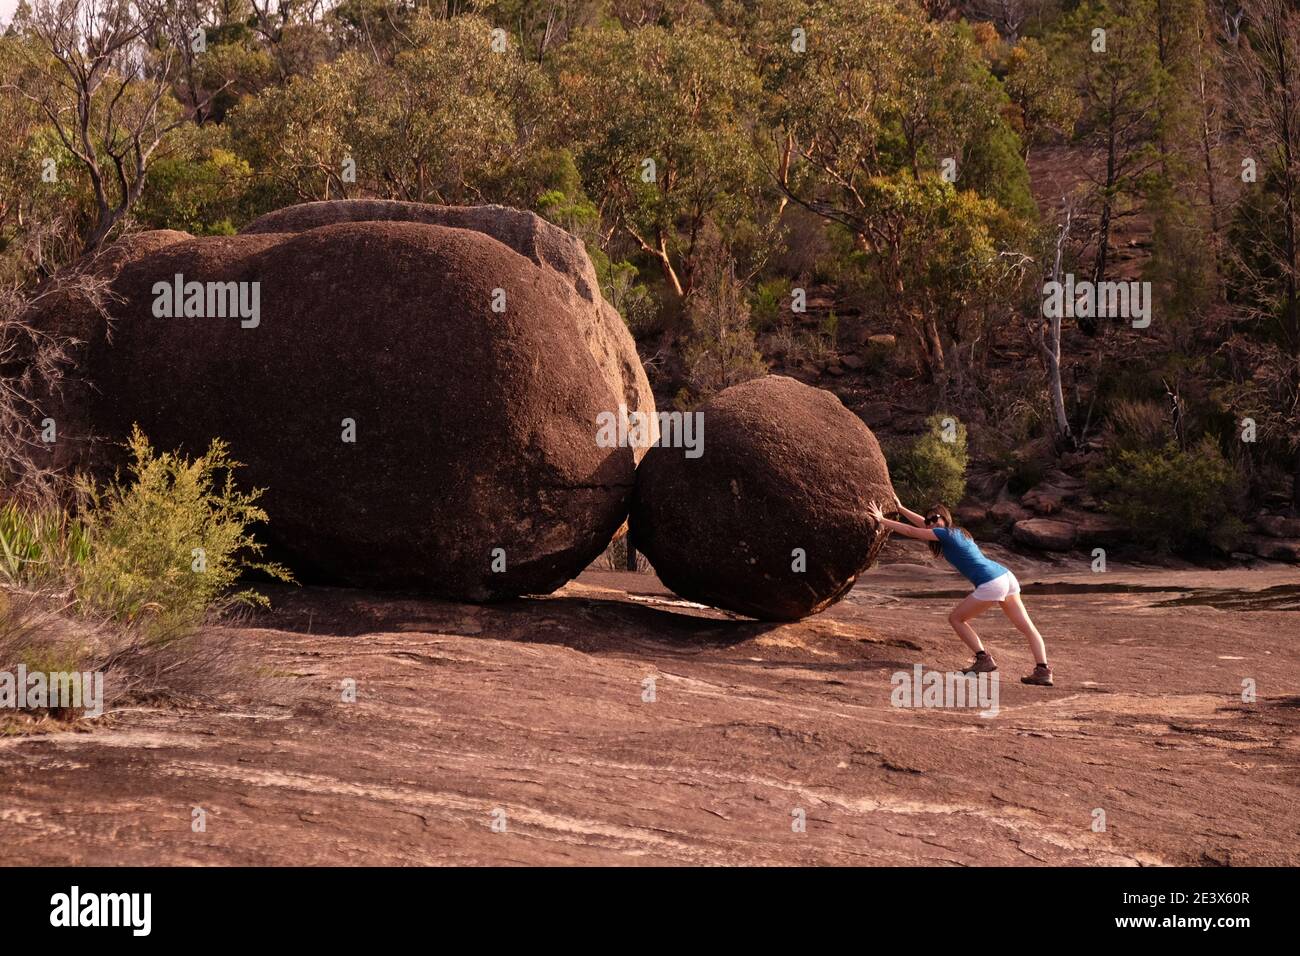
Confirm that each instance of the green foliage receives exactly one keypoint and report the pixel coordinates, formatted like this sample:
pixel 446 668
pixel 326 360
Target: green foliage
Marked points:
pixel 995 169
pixel 682 98
pixel 765 304
pixel 199 191
pixel 1121 100
pixel 1039 86
pixel 830 328
pixel 145 567
pixel 940 258
pixel 1173 499
pixel 832 153
pixel 932 469
pixel 39 548
pixel 559 196
pixel 621 288
pixel 446 119
pixel 720 348
pixel 1182 269
pixel 883 90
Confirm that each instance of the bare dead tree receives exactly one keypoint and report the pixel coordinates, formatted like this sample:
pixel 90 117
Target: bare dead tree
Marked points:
pixel 103 88
pixel 1209 100
pixel 1231 14
pixel 33 361
pixel 1177 412
pixel 184 29
pixel 1008 16
pixel 1048 334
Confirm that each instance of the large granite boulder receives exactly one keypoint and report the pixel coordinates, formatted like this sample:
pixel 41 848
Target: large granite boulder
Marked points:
pixel 770 520
pixel 419 400
pixel 547 246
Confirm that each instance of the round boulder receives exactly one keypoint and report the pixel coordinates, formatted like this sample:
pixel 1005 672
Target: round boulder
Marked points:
pixel 420 401
pixel 767 514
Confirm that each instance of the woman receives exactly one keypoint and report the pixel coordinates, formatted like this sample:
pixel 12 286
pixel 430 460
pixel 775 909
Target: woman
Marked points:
pixel 993 583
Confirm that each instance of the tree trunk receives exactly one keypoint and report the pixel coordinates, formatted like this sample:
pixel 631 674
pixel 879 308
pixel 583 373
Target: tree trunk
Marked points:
pixel 1207 154
pixel 1051 349
pixel 938 365
pixel 1089 325
pixel 1063 433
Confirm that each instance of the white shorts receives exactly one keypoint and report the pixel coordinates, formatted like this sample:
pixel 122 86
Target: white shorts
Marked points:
pixel 999 589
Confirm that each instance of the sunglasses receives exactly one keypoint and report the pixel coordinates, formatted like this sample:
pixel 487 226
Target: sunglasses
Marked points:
pixel 934 519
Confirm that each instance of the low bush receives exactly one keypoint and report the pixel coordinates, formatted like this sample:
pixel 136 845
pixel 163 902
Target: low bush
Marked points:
pixel 878 359
pixel 123 588
pixel 167 548
pixel 765 304
pixel 1135 424
pixel 1173 499
pixel 40 548
pixel 933 467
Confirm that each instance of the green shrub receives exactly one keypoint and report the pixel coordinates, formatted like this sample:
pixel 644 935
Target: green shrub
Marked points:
pixel 877 358
pixel 1025 469
pixel 38 548
pixel 793 347
pixel 167 549
pixel 1025 465
pixel 932 468
pixel 720 348
pixel 1174 500
pixel 765 304
pixel 830 328
pixel 621 286
pixel 1135 424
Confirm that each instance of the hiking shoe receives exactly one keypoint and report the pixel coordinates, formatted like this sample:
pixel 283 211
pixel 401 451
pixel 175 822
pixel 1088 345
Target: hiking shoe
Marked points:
pixel 983 664
pixel 1042 676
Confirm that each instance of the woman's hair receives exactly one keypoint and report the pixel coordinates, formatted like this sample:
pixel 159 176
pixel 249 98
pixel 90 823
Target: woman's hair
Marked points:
pixel 942 510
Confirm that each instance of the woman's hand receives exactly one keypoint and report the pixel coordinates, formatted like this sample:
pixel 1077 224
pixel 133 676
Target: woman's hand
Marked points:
pixel 873 509
pixel 878 516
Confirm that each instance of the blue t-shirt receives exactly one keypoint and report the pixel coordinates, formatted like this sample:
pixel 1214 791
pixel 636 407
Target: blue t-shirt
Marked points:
pixel 964 555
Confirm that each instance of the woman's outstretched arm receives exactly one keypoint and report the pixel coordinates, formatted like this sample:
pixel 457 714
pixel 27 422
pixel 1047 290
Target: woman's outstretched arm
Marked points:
pixel 906 530
pixel 912 516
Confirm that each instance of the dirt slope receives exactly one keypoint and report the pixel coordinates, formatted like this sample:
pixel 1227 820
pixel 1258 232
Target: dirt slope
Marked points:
pixel 536 708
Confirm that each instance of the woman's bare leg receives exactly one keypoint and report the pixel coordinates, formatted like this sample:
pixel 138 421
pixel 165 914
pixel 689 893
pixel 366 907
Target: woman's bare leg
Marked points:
pixel 967 610
pixel 1014 609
